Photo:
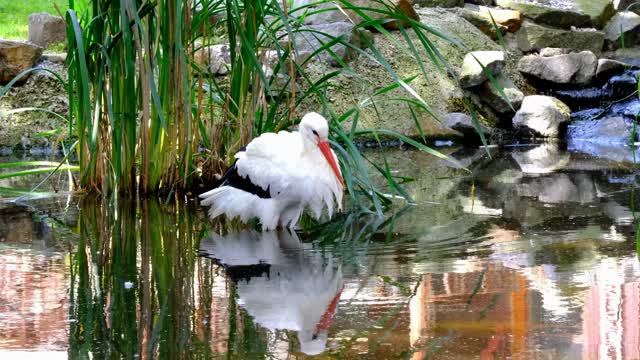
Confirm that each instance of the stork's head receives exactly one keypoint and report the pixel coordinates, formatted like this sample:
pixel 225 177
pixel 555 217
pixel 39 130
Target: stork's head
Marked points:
pixel 315 130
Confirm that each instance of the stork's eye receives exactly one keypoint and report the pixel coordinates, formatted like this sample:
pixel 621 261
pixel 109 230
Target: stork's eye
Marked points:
pixel 314 132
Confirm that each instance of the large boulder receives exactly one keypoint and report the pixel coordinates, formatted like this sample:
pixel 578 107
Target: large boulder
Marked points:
pixel 564 14
pixel 465 125
pixel 575 68
pixel 542 116
pixel 439 3
pixel 627 23
pixel 534 37
pixel 213 59
pixel 492 97
pixel 608 67
pixel 16 57
pixel 435 86
pixel 604 138
pixel 472 72
pixel 481 21
pixel 46 29
pixel 482 2
pixel 627 5
pixel 552 16
pixel 333 14
pixel 481 17
pixel 311 38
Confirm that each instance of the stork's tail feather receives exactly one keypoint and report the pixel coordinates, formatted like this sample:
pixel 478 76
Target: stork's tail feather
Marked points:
pixel 238 203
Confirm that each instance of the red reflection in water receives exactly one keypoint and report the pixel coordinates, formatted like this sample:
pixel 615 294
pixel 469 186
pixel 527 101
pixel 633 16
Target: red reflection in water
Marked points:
pixel 33 301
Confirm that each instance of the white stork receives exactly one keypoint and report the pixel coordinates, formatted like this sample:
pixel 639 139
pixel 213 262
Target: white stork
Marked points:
pixel 278 175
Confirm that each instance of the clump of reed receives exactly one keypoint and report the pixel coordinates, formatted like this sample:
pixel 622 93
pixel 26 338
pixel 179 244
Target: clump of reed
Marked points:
pixel 149 118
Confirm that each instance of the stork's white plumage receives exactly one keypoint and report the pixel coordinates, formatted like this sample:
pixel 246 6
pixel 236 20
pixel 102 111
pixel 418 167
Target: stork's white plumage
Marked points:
pixel 278 175
pixel 300 289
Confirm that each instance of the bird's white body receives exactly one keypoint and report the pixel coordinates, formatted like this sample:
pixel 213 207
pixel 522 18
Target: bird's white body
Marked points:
pixel 278 175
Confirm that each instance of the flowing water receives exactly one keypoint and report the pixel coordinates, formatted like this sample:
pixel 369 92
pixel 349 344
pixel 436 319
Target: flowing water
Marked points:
pixel 534 257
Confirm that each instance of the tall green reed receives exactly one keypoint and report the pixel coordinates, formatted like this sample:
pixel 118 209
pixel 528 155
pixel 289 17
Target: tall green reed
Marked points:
pixel 130 81
pixel 150 118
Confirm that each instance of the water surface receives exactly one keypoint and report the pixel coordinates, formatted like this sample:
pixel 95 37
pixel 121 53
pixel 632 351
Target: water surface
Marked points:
pixel 531 257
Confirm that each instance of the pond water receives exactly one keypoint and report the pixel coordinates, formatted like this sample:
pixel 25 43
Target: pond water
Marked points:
pixel 532 257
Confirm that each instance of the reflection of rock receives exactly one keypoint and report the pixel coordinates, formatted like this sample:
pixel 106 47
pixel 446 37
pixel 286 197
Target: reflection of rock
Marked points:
pixel 559 189
pixel 19 226
pixel 291 289
pixel 542 159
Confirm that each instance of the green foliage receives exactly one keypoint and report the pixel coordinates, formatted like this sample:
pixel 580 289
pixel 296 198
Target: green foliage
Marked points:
pixel 143 104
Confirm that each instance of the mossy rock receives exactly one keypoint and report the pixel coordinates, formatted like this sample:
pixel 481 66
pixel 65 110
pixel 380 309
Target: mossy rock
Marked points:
pixel 438 88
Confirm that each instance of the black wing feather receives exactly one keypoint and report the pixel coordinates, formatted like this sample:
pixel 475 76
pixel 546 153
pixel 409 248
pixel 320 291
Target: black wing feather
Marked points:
pixel 233 179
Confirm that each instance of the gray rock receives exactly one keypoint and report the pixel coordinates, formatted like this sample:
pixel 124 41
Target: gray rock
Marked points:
pixel 216 59
pixel 482 2
pixel 627 5
pixel 612 131
pixel 334 14
pixel 565 14
pixel 602 138
pixel 16 57
pixel 472 73
pixel 630 56
pixel 463 124
pixel 482 22
pixel 608 68
pixel 627 23
pixel 541 115
pixel 534 37
pixel 511 19
pixel 439 3
pixel 575 68
pixel 492 97
pixel 313 37
pixel 46 29
pixel 548 52
pixel 552 16
pixel 55 58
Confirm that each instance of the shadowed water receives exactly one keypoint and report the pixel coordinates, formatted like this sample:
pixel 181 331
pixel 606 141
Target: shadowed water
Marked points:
pixel 532 257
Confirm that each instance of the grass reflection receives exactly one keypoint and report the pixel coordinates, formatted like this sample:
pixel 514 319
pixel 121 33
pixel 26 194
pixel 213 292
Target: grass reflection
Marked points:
pixel 137 284
pixel 138 288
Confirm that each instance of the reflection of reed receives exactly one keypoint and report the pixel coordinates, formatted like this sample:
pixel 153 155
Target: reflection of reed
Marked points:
pixel 136 283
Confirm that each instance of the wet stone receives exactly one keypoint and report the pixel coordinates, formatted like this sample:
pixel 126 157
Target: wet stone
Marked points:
pixel 623 85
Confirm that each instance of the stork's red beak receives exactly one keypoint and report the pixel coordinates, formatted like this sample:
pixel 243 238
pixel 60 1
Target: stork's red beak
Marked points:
pixel 326 151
